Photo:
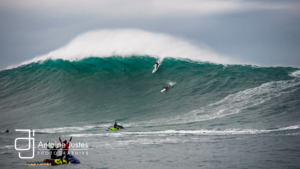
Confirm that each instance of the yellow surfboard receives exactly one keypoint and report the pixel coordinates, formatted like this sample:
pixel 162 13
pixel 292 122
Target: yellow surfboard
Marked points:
pixel 163 90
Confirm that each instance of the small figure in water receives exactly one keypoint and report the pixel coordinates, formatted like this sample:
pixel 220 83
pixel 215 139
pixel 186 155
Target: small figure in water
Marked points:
pixel 166 87
pixel 156 65
pixel 7 131
pixel 65 149
pixel 116 126
pixel 53 151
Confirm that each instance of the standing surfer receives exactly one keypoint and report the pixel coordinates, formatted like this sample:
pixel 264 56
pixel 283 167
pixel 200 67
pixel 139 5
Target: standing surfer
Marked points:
pixel 156 65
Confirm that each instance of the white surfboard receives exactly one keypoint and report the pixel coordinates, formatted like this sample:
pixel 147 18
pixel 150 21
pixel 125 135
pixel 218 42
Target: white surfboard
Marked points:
pixel 154 70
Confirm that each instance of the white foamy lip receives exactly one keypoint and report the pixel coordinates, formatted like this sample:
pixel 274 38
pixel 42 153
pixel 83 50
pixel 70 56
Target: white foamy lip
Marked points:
pixel 128 42
pixel 295 74
pixel 171 83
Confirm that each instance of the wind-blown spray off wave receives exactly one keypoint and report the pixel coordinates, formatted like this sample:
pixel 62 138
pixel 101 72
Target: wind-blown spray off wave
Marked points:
pixel 128 42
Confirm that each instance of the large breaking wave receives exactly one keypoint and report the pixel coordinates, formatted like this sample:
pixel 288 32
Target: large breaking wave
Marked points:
pixel 105 76
pixel 93 92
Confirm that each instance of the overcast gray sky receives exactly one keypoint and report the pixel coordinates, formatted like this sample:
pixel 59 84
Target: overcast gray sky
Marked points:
pixel 265 32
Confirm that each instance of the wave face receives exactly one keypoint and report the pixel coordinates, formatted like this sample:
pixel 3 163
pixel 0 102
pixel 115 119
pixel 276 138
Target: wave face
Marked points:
pixel 211 112
pixel 97 91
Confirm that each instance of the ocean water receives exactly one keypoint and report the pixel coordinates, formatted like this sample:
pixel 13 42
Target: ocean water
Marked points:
pixel 212 116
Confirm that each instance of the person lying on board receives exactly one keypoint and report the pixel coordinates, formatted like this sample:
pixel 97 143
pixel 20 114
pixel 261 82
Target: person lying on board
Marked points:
pixel 7 131
pixel 166 87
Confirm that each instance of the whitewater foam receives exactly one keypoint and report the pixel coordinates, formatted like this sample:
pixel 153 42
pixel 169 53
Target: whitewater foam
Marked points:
pixel 75 129
pixel 234 103
pixel 69 129
pixel 180 136
pixel 171 83
pixel 7 147
pixel 189 132
pixel 129 42
pixel 295 74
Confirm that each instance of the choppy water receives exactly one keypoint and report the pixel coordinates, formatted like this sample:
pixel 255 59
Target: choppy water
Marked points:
pixel 212 116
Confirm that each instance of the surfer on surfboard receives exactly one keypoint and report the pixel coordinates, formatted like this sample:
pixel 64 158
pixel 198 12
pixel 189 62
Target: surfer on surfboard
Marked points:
pixel 165 88
pixel 156 65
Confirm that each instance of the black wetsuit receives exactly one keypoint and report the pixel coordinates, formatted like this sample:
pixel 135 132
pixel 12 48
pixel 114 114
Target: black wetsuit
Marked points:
pixel 53 152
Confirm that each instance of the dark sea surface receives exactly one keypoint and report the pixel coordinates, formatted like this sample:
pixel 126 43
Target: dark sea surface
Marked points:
pixel 212 116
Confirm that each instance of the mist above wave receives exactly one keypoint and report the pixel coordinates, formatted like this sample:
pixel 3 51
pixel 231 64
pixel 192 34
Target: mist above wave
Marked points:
pixel 128 42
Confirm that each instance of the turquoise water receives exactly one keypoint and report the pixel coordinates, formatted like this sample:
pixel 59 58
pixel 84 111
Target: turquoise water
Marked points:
pixel 212 116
